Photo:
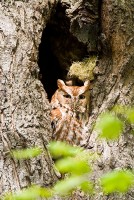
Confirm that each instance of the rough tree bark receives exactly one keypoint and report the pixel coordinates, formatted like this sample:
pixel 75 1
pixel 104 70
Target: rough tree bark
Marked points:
pixel 114 84
pixel 25 120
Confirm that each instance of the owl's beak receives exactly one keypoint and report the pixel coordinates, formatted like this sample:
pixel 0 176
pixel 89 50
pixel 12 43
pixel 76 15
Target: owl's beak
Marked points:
pixel 73 106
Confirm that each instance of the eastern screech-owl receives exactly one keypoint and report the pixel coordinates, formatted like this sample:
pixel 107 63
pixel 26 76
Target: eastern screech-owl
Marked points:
pixel 70 110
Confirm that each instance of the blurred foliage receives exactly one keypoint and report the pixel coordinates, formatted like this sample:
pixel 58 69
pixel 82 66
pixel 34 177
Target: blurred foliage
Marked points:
pixel 126 111
pixel 117 181
pixel 79 167
pixel 61 149
pixel 66 186
pixel 74 162
pixel 71 160
pixel 26 153
pixel 30 193
pixel 109 126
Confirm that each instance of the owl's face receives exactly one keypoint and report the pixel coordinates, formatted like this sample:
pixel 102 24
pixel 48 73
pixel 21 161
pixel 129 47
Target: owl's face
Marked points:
pixel 75 98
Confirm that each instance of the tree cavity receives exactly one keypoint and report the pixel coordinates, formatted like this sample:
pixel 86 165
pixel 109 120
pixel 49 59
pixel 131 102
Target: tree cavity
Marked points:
pixel 58 49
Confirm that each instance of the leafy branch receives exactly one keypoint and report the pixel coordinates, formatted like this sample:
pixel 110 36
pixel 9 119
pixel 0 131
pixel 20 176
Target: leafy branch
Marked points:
pixel 73 162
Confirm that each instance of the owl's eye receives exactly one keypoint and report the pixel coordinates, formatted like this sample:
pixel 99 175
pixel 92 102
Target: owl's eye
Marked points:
pixel 82 96
pixel 67 96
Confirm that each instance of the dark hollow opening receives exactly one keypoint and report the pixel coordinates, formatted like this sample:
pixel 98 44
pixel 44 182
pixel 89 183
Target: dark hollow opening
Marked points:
pixel 58 49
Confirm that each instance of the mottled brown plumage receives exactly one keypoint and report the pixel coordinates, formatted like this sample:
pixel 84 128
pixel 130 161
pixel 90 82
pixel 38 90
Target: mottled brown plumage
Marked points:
pixel 69 115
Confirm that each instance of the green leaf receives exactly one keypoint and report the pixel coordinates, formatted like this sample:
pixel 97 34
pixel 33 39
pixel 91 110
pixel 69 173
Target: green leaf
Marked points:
pixel 126 111
pixel 109 126
pixel 30 193
pixel 26 153
pixel 117 181
pixel 119 109
pixel 130 115
pixel 67 185
pixel 73 165
pixel 58 149
pixel 87 187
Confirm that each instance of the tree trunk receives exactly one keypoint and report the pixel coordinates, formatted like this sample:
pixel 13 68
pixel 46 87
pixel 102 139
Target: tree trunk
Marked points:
pixel 113 85
pixel 70 30
pixel 25 110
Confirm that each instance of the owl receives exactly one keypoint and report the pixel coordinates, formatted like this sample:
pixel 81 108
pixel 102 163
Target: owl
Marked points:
pixel 70 112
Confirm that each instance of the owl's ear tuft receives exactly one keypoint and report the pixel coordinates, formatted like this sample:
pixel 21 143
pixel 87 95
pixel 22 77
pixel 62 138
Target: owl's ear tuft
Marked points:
pixel 60 83
pixel 87 84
